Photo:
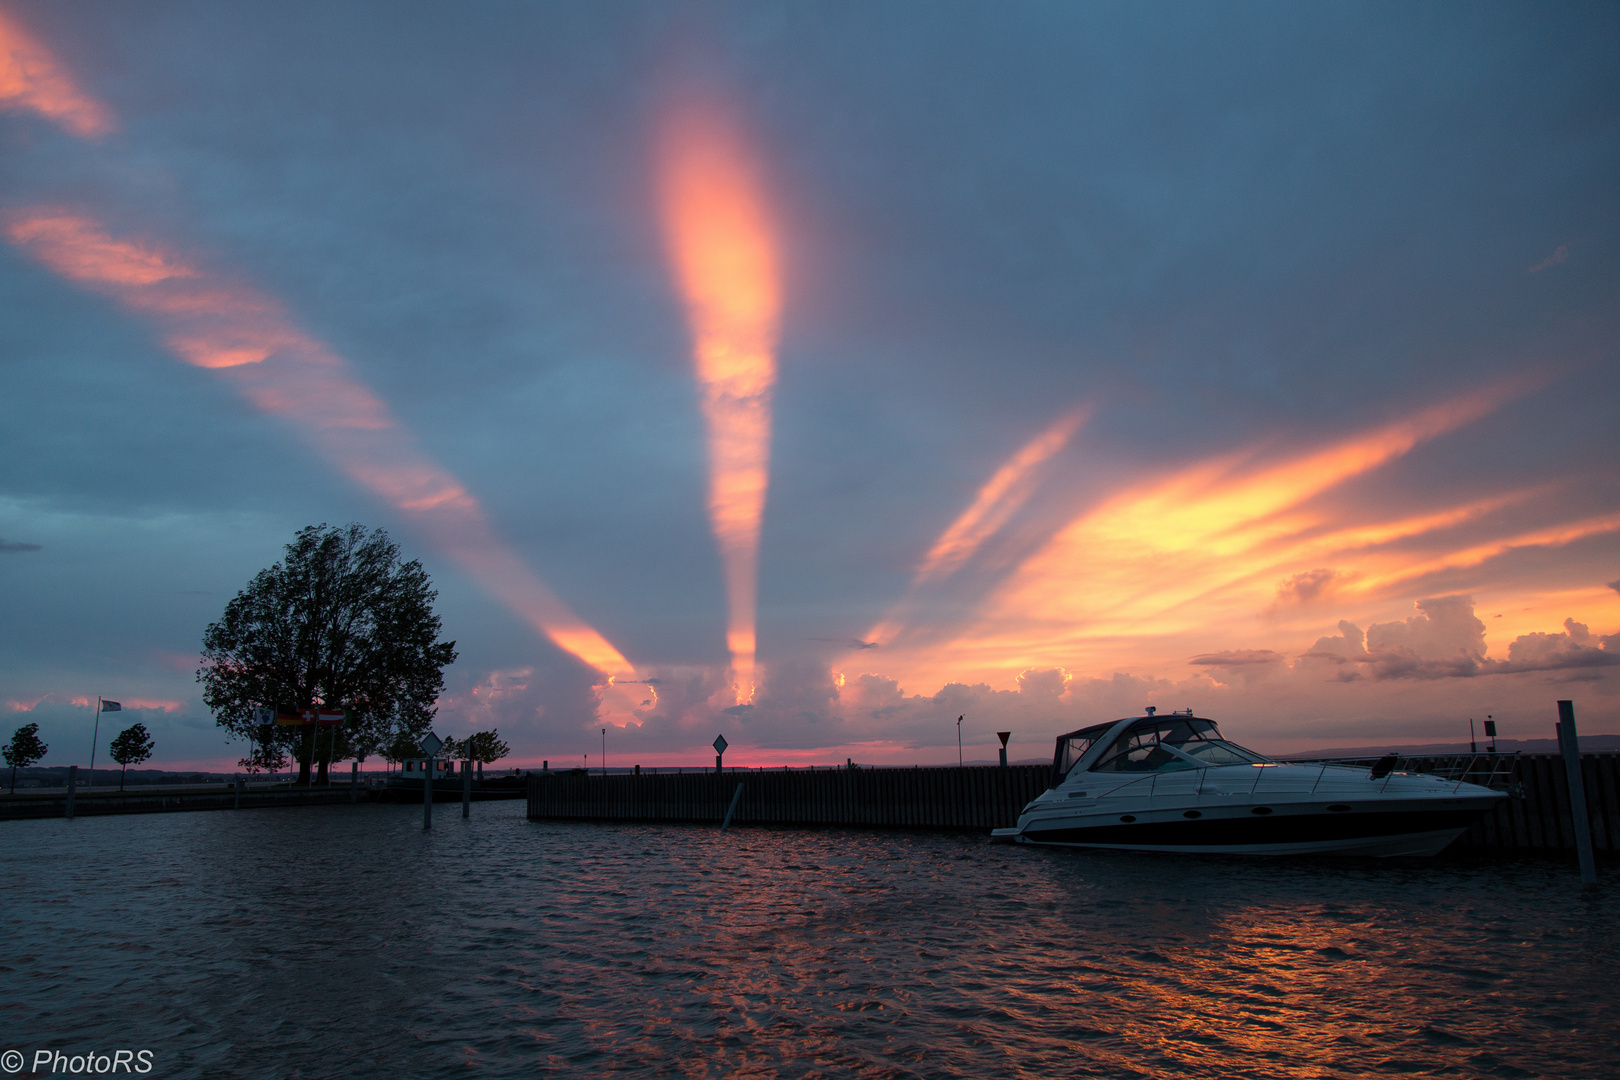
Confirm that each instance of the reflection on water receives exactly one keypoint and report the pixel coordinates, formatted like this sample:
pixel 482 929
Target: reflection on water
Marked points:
pixel 325 941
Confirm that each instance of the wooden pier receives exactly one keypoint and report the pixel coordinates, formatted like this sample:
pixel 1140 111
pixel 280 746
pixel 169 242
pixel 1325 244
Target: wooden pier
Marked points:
pixel 981 798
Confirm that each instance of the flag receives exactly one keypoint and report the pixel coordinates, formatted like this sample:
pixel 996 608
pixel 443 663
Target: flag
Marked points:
pixel 328 718
pixel 288 717
pixel 111 706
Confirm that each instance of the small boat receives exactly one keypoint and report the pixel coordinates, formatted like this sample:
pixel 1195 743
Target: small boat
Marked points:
pixel 1172 783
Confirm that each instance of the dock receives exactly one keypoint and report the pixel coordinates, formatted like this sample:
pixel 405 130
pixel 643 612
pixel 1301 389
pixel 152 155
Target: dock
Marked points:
pixel 981 798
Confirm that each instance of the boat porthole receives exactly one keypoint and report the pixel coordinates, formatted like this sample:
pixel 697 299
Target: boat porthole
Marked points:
pixel 1338 808
pixel 1260 810
pixel 1193 813
pixel 1127 818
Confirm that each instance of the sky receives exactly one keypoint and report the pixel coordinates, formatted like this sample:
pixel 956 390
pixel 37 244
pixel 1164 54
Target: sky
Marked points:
pixel 816 374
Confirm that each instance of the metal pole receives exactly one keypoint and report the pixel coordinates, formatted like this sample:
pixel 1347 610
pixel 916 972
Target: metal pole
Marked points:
pixel 1569 743
pixel 466 788
pixel 354 781
pixel 427 797
pixel 958 742
pixel 604 752
pixel 73 782
pixel 94 735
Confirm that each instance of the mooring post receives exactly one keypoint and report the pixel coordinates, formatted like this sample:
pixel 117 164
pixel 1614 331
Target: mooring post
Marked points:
pixel 238 803
pixel 427 797
pixel 466 788
pixel 735 797
pixel 1569 743
pixel 73 783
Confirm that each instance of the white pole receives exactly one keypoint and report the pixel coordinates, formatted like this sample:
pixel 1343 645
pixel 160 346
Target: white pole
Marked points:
pixel 94 735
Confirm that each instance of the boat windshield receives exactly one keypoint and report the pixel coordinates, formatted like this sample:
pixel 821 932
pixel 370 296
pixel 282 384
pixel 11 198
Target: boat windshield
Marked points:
pixel 1143 747
pixel 1072 747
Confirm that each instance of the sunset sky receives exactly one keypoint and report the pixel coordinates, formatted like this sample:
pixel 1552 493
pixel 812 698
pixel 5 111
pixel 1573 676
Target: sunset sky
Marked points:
pixel 818 373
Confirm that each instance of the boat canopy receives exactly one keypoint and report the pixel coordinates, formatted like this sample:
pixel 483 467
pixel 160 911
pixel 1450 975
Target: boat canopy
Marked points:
pixel 1073 746
pixel 1152 744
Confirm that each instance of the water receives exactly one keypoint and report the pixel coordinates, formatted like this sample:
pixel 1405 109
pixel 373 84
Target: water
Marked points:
pixel 341 941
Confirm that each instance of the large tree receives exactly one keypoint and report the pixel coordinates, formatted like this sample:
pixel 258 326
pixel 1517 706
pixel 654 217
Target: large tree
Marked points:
pixel 340 622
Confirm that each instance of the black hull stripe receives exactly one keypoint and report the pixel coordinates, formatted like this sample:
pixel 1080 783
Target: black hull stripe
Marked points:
pixel 1289 829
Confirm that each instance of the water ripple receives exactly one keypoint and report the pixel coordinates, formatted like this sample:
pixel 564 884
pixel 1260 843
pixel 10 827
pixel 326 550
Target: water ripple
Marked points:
pixel 339 941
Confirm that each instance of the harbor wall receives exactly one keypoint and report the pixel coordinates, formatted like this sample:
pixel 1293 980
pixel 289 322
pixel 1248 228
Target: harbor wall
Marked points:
pixel 980 798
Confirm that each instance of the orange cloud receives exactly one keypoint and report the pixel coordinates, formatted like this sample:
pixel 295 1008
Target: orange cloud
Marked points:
pixel 724 252
pixel 1200 553
pixel 249 338
pixel 32 81
pixel 998 500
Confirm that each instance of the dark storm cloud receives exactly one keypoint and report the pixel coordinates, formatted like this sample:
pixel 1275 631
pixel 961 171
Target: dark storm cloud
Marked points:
pixel 14 546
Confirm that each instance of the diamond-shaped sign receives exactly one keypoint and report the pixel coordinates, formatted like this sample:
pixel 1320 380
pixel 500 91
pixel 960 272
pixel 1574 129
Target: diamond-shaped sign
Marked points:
pixel 431 744
pixel 720 744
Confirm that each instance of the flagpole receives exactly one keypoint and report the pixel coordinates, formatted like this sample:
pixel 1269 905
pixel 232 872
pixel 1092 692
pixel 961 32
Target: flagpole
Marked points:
pixel 94 735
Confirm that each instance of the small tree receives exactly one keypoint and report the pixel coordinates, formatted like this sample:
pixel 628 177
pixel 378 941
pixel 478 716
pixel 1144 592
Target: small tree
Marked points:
pixel 486 746
pixel 132 747
pixel 23 750
pixel 402 747
pixel 265 757
pixel 340 622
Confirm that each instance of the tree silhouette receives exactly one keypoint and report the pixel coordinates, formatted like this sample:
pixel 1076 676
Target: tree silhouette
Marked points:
pixel 132 747
pixel 23 750
pixel 340 622
pixel 486 746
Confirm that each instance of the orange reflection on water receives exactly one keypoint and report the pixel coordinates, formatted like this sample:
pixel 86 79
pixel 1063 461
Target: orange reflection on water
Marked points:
pixel 248 338
pixel 32 80
pixel 724 251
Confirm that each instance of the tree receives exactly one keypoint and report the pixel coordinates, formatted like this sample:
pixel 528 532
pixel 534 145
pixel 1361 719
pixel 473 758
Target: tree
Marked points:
pixel 486 746
pixel 264 757
pixel 132 747
pixel 23 750
pixel 340 622
pixel 402 747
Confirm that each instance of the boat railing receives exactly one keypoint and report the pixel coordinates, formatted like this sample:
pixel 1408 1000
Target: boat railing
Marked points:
pixel 1493 771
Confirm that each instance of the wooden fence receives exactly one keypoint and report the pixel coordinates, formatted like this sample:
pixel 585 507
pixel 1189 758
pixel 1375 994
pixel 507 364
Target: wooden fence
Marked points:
pixel 977 798
pixel 981 798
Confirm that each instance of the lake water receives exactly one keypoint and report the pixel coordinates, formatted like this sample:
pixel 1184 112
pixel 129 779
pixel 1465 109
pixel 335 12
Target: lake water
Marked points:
pixel 342 941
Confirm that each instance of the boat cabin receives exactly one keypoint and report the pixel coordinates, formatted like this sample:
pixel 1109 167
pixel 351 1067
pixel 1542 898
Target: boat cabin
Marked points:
pixel 1148 744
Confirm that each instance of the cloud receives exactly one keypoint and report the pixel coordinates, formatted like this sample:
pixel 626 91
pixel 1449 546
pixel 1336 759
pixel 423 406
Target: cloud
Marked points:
pixel 1308 587
pixel 1445 640
pixel 1443 628
pixel 1238 658
pixel 1558 256
pixel 215 323
pixel 32 80
pixel 14 546
pixel 998 499
pixel 723 245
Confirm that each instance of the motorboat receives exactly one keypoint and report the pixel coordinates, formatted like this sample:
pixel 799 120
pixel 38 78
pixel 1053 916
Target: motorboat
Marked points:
pixel 1172 783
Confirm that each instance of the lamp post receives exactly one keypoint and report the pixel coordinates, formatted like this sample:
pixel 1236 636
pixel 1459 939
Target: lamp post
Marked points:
pixel 958 742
